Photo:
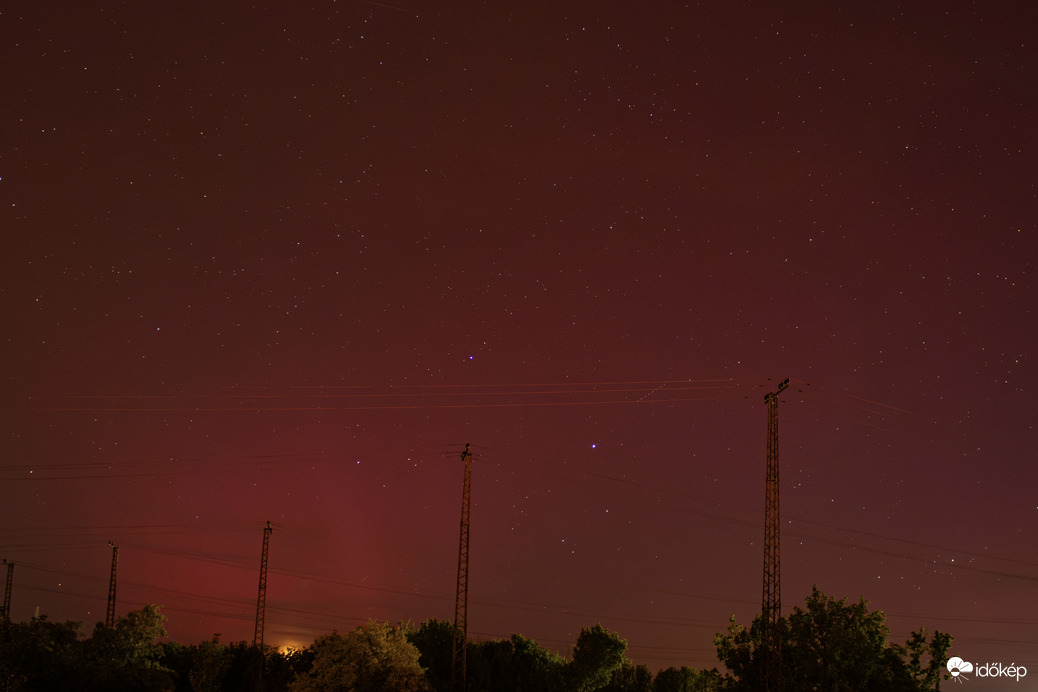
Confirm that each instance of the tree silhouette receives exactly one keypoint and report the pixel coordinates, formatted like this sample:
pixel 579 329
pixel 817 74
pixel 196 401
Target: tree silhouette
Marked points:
pixel 597 654
pixel 831 645
pixel 39 654
pixel 127 656
pixel 374 657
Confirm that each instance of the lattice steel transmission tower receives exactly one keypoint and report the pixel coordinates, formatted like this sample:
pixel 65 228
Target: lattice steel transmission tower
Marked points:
pixel 771 604
pixel 110 615
pixel 6 614
pixel 461 594
pixel 261 599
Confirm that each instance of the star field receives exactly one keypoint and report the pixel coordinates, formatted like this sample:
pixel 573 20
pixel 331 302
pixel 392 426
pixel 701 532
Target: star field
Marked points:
pixel 282 263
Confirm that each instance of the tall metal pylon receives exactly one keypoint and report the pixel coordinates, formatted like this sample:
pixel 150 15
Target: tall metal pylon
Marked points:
pixel 110 615
pixel 771 603
pixel 261 599
pixel 6 614
pixel 461 594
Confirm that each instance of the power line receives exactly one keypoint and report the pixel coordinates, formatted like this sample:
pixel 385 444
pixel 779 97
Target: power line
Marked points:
pixel 638 394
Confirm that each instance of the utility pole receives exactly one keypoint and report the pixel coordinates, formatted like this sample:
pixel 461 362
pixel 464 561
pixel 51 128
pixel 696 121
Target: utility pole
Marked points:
pixel 6 614
pixel 771 604
pixel 261 600
pixel 461 597
pixel 110 615
pixel 258 659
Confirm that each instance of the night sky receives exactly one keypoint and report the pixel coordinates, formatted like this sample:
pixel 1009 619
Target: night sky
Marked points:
pixel 281 261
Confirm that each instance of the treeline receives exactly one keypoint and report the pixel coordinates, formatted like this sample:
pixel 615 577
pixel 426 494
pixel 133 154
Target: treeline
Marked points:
pixel 827 645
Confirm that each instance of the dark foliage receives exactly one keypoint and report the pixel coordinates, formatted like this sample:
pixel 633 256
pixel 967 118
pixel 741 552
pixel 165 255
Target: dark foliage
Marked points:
pixel 829 645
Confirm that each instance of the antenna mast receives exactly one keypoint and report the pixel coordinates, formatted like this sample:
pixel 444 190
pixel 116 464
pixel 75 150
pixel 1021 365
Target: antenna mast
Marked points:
pixel 771 604
pixel 110 615
pixel 261 599
pixel 461 598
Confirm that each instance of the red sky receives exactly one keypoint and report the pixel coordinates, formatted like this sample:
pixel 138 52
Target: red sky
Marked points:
pixel 282 262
